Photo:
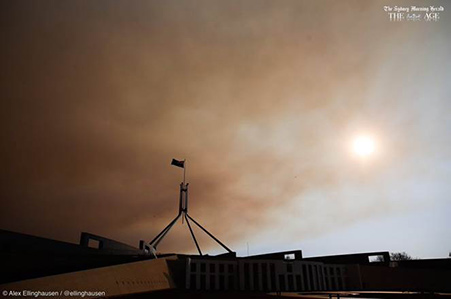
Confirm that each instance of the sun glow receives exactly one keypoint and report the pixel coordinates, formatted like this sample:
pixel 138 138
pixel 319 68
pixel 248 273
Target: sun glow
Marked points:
pixel 364 146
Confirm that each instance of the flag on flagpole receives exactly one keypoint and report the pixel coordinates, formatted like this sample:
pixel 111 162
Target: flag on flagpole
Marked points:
pixel 178 163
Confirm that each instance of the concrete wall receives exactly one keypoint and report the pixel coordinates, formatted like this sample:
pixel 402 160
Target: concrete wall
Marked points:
pixel 283 255
pixel 356 258
pixel 108 245
pixel 137 277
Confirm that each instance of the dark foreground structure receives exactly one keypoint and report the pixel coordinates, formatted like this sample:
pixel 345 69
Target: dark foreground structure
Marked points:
pixel 102 267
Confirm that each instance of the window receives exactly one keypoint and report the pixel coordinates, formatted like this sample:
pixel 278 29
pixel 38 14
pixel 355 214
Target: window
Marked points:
pixel 282 283
pixel 265 277
pixel 231 283
pixel 212 282
pixel 304 276
pixel 376 258
pixel 93 244
pixel 319 277
pixel 314 281
pixel 334 285
pixel 230 268
pixel 272 270
pixel 203 282
pixel 212 268
pixel 310 276
pixel 256 276
pixel 298 283
pixel 192 282
pixel 247 276
pixel 290 283
pixel 221 282
pixel 289 256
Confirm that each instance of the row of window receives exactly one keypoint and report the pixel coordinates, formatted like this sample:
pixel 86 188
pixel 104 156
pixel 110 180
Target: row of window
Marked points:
pixel 202 267
pixel 215 282
pixel 309 278
pixel 263 276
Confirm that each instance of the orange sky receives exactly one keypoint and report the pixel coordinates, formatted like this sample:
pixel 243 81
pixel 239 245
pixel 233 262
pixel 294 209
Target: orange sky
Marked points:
pixel 262 98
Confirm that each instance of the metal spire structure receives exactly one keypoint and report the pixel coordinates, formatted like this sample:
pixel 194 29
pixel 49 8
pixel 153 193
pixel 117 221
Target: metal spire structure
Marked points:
pixel 183 212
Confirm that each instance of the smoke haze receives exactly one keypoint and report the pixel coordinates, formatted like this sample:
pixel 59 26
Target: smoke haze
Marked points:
pixel 262 98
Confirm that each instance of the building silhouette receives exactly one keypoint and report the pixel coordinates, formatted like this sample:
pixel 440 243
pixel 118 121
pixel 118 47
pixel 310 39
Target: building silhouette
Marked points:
pixel 117 269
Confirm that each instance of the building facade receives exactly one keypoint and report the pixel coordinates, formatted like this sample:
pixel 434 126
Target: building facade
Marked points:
pixel 263 275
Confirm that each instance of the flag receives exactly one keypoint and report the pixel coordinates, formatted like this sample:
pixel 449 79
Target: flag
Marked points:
pixel 178 163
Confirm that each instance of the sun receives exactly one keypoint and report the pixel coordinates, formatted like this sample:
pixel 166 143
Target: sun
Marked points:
pixel 364 146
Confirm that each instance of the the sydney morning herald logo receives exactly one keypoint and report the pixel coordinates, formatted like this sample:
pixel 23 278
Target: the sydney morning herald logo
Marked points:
pixel 414 13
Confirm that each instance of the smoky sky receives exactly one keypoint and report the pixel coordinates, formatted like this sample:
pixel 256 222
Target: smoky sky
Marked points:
pixel 262 98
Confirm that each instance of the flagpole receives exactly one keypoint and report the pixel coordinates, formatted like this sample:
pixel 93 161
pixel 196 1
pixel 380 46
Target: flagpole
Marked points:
pixel 183 212
pixel 184 170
